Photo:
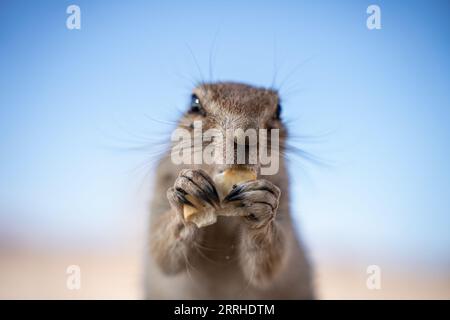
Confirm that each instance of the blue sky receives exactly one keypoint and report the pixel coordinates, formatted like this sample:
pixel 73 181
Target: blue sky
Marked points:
pixel 374 103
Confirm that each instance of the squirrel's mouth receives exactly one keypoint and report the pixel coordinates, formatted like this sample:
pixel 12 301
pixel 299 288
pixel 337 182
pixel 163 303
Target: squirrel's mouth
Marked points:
pixel 244 167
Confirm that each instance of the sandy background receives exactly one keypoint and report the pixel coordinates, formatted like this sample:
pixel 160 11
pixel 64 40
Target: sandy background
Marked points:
pixel 40 274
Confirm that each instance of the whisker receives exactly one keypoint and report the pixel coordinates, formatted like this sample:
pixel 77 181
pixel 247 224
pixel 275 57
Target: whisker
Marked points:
pixel 196 64
pixel 310 157
pixel 294 71
pixel 212 56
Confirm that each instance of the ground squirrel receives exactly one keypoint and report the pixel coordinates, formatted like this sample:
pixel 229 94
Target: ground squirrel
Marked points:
pixel 253 251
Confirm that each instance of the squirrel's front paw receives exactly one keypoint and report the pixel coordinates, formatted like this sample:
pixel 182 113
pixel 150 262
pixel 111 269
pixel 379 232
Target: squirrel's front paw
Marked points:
pixel 195 189
pixel 256 201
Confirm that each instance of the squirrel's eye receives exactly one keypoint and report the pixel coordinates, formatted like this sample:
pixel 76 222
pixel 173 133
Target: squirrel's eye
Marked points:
pixel 196 106
pixel 278 112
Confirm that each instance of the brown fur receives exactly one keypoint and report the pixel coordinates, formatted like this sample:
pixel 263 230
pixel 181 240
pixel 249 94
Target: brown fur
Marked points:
pixel 238 257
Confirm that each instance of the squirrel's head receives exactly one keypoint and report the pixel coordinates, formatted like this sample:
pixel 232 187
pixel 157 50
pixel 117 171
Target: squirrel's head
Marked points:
pixel 239 109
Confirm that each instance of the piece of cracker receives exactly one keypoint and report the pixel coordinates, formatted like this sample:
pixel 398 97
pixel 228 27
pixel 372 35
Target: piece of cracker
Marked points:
pixel 201 216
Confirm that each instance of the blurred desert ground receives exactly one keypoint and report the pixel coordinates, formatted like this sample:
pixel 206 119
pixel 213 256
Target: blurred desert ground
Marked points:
pixel 41 274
